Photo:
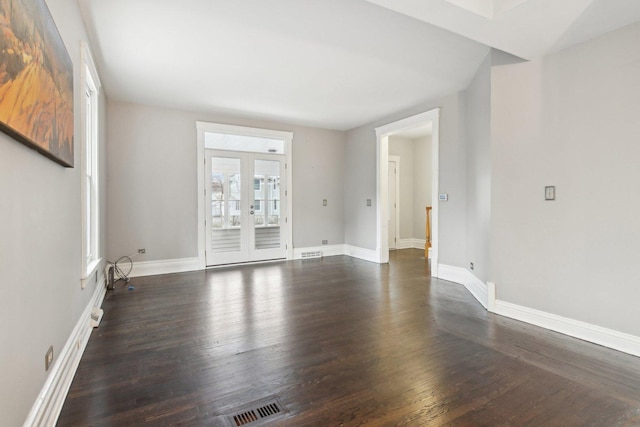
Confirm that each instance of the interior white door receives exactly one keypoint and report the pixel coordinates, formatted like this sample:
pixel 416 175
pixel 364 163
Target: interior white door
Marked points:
pixel 244 206
pixel 393 205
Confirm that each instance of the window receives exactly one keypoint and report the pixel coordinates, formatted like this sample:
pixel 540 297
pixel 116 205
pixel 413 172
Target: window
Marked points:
pixel 255 144
pixel 90 161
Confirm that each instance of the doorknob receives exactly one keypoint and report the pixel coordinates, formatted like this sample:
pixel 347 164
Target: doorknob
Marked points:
pixel 251 212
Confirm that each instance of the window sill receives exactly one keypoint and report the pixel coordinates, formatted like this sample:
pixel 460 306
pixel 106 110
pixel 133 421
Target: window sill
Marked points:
pixel 90 270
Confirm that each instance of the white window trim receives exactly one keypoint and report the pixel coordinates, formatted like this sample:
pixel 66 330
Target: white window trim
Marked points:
pixel 89 79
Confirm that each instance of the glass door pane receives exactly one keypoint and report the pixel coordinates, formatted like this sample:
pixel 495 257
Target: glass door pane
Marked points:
pixel 266 203
pixel 273 218
pixel 226 205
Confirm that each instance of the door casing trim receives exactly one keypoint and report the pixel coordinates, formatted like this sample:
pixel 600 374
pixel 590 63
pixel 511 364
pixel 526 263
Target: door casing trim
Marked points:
pixel 382 187
pixel 287 137
pixel 396 160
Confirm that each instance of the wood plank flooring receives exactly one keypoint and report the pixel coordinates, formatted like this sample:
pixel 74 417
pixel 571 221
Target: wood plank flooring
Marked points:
pixel 339 342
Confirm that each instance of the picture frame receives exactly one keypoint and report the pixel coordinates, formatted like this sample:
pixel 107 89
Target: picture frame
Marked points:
pixel 36 81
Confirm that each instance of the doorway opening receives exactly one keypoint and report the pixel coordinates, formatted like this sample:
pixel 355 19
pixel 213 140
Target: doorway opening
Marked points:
pixel 244 201
pixel 408 126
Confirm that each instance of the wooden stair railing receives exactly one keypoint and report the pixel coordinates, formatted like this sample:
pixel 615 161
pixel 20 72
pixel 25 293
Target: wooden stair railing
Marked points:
pixel 427 244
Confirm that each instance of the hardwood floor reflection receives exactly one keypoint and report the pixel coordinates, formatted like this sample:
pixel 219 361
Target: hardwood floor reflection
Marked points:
pixel 340 342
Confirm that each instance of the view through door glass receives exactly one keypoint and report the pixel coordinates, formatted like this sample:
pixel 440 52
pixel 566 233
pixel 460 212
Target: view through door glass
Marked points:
pixel 245 202
pixel 226 205
pixel 266 188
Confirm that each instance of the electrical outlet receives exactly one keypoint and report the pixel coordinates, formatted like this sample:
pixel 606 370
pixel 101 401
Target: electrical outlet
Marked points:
pixel 471 265
pixel 325 242
pixel 48 358
pixel 368 202
pixel 142 251
pixel 324 202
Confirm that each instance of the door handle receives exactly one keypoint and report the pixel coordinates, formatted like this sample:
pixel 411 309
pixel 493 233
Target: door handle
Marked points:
pixel 251 212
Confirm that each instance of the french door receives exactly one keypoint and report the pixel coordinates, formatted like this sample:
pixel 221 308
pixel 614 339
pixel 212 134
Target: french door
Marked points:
pixel 244 207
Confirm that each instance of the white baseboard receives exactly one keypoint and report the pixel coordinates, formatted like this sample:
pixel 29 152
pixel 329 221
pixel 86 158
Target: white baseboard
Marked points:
pixel 47 407
pixel 167 266
pixel 486 295
pixel 361 253
pixel 410 244
pixel 326 250
pixel 452 274
pixel 478 289
pixel 491 297
pixel 475 286
pixel 585 331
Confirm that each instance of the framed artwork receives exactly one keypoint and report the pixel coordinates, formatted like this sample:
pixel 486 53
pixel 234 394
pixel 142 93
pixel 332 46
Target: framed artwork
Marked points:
pixel 36 80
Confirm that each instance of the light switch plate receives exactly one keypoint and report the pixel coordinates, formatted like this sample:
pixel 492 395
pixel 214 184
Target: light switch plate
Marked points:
pixel 550 192
pixel 443 197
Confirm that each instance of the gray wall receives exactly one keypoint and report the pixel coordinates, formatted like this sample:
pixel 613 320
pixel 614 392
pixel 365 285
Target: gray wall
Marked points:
pixel 40 253
pixel 360 179
pixel 422 188
pixel 152 181
pixel 478 166
pixel 360 185
pixel 415 183
pixel 571 120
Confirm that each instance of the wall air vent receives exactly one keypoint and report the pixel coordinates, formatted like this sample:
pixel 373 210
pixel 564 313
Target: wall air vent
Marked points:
pixel 307 255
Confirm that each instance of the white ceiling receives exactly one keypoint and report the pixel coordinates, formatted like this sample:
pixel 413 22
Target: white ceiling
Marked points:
pixel 526 28
pixel 335 64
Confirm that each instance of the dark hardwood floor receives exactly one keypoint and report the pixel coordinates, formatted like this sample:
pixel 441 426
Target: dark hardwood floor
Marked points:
pixel 339 342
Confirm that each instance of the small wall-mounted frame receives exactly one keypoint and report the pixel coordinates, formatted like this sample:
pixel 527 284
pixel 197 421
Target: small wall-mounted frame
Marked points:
pixel 550 192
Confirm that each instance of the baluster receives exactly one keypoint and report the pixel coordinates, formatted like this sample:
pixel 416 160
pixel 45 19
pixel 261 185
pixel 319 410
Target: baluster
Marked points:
pixel 427 243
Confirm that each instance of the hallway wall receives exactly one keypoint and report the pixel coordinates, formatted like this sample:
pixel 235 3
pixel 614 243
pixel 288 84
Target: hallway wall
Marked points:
pixel 572 120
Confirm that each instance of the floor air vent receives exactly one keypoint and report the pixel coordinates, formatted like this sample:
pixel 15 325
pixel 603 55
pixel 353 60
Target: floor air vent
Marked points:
pixel 253 415
pixel 307 255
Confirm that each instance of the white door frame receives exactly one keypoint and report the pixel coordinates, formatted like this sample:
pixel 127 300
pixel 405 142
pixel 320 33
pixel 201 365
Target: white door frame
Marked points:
pixel 287 137
pixel 396 160
pixel 382 185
